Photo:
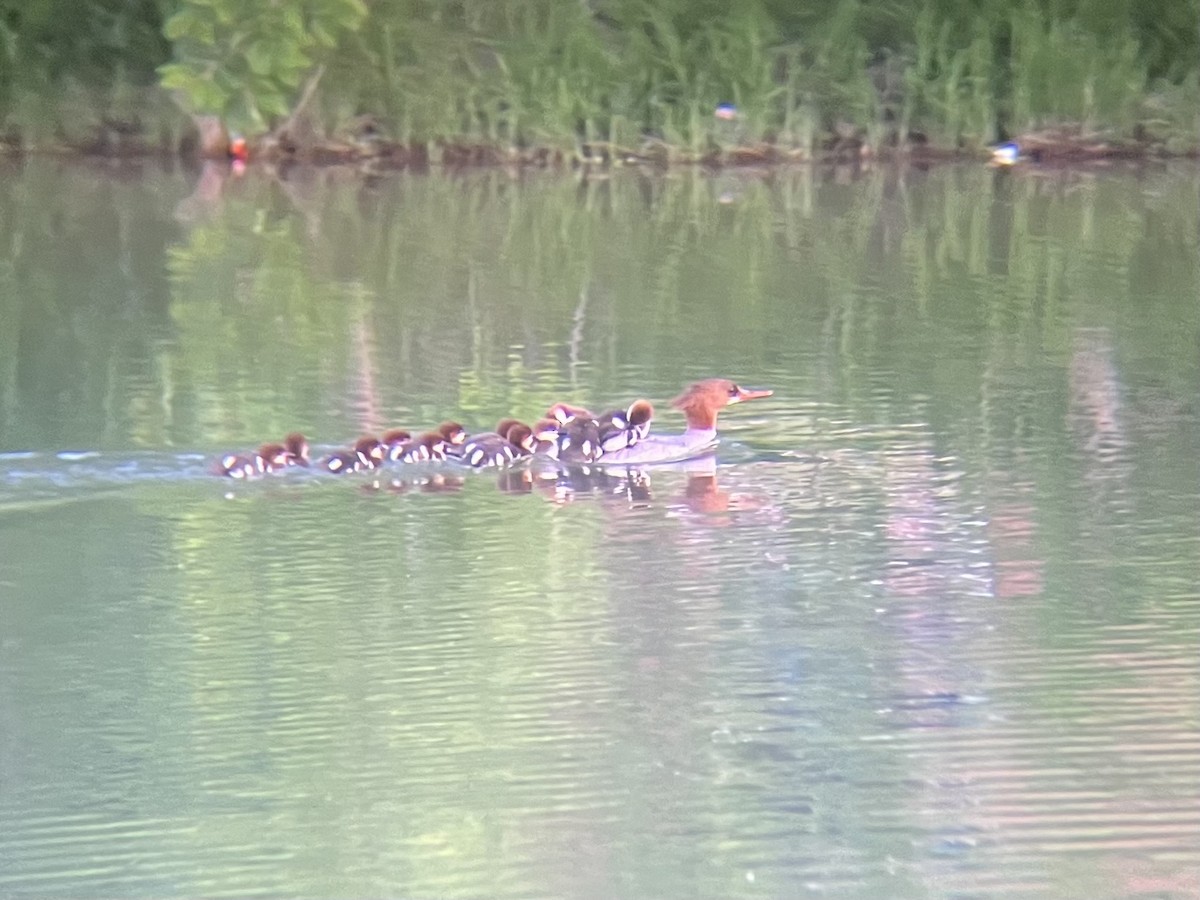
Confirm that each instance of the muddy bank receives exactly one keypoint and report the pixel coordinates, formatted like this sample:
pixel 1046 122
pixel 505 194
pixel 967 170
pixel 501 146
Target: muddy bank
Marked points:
pixel 1061 146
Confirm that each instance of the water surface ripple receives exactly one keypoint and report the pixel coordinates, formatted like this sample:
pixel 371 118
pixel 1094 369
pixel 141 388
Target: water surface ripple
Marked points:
pixel 925 627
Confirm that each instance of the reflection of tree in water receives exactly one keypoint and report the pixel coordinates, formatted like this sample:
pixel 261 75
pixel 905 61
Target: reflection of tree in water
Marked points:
pixel 937 584
pixel 1097 427
pixel 1096 416
pixel 930 545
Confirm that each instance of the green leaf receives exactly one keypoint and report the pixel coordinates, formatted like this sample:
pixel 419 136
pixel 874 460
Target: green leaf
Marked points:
pixel 292 21
pixel 259 58
pixel 272 103
pixel 321 36
pixel 228 12
pixel 292 59
pixel 347 14
pixel 203 95
pixel 189 24
pixel 175 77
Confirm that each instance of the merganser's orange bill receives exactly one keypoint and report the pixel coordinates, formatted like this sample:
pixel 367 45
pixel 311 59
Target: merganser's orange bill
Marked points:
pixel 744 394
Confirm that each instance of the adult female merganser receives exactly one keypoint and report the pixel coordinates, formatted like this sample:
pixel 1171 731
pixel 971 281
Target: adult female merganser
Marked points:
pixel 367 453
pixel 700 404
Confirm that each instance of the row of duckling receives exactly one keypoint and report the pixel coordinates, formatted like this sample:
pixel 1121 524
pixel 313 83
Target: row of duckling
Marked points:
pixel 566 434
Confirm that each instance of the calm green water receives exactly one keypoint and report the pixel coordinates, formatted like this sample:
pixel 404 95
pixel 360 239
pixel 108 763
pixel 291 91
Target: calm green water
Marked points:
pixel 927 628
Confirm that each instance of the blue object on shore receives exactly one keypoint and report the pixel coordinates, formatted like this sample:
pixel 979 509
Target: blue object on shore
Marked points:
pixel 1006 154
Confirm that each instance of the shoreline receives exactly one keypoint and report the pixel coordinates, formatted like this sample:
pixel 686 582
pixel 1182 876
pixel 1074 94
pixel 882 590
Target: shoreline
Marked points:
pixel 1052 147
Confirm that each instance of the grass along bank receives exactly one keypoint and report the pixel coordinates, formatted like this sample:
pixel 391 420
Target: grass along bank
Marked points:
pixel 423 82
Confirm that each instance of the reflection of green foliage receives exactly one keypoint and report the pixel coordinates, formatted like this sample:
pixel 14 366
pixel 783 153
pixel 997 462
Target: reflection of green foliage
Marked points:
pixel 85 306
pixel 237 278
pixel 480 296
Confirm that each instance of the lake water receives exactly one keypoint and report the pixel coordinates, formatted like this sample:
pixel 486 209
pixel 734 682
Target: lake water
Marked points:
pixel 927 626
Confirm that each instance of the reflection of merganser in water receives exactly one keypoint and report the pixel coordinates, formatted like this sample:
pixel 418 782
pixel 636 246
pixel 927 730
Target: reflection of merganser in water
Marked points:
pixel 700 404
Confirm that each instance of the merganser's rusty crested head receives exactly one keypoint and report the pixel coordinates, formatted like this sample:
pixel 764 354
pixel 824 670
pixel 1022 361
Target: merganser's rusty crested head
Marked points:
pixel 701 402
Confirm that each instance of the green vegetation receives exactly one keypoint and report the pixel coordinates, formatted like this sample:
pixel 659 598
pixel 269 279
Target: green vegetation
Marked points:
pixel 601 78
